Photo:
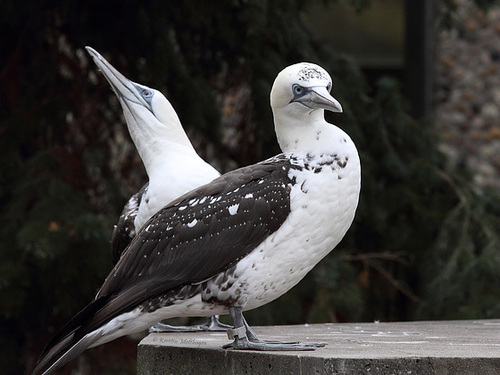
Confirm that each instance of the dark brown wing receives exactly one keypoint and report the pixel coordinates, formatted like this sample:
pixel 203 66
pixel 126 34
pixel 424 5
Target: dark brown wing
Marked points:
pixel 202 233
pixel 199 235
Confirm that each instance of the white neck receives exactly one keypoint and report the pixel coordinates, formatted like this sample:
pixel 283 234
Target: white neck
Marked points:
pixel 156 141
pixel 302 131
pixel 160 154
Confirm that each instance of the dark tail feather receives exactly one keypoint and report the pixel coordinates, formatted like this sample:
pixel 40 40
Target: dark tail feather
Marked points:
pixel 70 341
pixel 64 352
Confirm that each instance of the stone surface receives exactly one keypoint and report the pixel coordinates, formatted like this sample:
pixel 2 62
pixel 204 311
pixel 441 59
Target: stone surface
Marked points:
pixel 456 347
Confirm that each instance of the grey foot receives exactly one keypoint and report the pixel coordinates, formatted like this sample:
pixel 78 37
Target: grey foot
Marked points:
pixel 211 324
pixel 245 338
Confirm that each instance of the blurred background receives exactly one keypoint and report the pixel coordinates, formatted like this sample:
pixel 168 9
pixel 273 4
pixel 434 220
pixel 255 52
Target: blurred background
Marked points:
pixel 420 85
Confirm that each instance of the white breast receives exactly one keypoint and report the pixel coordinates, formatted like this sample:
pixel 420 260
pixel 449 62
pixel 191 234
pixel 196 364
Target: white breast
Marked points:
pixel 323 205
pixel 323 201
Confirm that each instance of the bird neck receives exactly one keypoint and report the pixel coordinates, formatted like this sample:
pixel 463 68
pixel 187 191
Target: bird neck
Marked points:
pixel 162 154
pixel 158 143
pixel 310 133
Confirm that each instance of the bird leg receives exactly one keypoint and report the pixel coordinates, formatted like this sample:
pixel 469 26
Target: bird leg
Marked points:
pixel 245 338
pixel 211 324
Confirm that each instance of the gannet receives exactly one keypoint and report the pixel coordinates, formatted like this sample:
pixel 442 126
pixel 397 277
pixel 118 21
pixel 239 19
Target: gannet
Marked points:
pixel 171 162
pixel 238 242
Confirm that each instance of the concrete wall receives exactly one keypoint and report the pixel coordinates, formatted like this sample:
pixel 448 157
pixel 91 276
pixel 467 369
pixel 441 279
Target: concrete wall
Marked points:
pixel 468 347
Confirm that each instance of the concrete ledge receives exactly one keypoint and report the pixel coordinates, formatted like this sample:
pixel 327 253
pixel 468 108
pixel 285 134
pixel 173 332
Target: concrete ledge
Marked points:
pixel 448 347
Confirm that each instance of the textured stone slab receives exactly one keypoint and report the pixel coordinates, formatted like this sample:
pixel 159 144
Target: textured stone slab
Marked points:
pixel 448 347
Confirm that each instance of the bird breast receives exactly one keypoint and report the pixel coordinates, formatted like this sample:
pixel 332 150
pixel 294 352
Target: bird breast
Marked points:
pixel 323 198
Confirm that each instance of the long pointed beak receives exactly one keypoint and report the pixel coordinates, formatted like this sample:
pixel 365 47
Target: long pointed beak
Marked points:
pixel 319 98
pixel 122 86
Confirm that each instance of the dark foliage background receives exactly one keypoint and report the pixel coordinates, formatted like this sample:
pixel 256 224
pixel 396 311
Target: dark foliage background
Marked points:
pixel 424 244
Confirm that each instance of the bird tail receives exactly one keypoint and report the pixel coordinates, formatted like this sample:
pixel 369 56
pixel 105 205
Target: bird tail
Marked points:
pixel 64 352
pixel 73 339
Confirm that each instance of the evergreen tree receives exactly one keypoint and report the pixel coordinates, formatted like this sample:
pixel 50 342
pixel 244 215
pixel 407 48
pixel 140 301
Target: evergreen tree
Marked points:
pixel 423 239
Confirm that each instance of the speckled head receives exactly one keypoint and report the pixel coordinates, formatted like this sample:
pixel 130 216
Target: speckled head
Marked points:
pixel 310 71
pixel 299 96
pixel 305 84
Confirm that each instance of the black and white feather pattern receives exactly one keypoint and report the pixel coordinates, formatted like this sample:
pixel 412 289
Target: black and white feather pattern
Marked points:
pixel 240 241
pixel 125 230
pixel 197 237
pixel 203 233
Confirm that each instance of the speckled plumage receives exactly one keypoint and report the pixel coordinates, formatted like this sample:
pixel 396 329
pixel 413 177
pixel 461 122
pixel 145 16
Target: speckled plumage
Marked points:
pixel 240 241
pixel 171 252
pixel 125 229
pixel 172 164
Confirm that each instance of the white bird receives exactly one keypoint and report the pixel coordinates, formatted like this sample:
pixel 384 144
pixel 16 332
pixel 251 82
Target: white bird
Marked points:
pixel 238 242
pixel 172 164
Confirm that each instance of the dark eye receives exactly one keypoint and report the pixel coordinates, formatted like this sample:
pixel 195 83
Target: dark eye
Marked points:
pixel 329 87
pixel 297 89
pixel 147 93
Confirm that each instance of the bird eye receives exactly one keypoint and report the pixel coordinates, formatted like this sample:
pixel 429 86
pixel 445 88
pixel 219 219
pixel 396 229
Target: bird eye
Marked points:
pixel 147 93
pixel 329 86
pixel 297 89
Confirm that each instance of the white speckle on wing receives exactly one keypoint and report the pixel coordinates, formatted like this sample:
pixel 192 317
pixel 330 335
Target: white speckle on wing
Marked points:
pixel 193 202
pixel 192 223
pixel 249 195
pixel 233 209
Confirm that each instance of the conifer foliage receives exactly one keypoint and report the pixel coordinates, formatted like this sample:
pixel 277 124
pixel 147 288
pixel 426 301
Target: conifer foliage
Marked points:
pixel 424 244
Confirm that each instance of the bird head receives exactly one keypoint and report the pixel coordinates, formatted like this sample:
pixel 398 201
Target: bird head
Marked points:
pixel 303 88
pixel 152 122
pixel 149 115
pixel 299 96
